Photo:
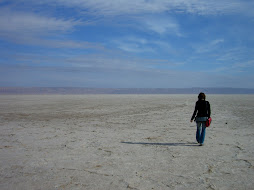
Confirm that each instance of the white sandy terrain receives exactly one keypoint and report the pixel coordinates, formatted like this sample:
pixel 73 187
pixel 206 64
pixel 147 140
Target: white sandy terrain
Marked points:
pixel 114 142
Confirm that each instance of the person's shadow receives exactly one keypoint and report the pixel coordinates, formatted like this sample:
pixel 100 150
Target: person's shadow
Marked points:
pixel 163 144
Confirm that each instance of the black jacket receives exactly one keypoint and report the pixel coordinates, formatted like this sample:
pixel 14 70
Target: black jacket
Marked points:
pixel 202 109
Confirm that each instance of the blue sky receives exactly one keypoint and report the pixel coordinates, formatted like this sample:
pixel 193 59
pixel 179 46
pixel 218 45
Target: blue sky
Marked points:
pixel 127 43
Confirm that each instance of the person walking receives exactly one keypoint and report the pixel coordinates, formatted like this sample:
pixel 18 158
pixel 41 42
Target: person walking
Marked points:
pixel 201 113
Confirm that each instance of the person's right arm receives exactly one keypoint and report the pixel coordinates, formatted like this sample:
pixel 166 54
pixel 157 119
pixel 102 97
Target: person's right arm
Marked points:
pixel 209 110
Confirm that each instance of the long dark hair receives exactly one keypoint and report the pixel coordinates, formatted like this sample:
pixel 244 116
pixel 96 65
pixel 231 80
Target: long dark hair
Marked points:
pixel 201 96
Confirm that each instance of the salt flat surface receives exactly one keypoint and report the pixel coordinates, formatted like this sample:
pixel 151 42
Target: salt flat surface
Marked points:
pixel 124 142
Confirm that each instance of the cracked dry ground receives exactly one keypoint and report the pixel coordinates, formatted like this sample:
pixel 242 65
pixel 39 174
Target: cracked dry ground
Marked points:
pixel 124 142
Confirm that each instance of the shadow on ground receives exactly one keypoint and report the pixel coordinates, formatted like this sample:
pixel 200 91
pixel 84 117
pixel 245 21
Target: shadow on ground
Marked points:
pixel 163 144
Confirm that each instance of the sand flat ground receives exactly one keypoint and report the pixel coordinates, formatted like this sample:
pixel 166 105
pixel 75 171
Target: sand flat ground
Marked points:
pixel 124 142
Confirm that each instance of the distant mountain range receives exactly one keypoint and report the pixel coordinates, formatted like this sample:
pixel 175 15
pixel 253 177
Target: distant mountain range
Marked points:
pixel 74 90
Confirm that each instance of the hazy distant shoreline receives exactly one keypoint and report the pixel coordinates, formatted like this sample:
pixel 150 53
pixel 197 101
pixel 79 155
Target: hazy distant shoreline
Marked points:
pixel 76 90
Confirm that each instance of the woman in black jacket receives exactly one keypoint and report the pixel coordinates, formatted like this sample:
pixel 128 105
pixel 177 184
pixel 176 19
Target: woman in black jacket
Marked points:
pixel 201 113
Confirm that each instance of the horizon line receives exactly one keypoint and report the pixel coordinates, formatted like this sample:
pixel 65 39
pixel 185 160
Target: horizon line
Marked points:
pixel 97 90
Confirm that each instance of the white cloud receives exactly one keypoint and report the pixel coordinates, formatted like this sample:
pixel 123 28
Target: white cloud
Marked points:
pixel 32 29
pixel 137 44
pixel 162 25
pixel 123 7
pixel 209 7
pixel 208 46
pixel 108 62
pixel 116 7
pixel 237 59
pixel 217 41
pixel 243 65
pixel 133 44
pixel 20 23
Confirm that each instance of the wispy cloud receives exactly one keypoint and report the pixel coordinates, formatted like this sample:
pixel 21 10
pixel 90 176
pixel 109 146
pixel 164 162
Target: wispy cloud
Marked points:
pixel 115 62
pixel 114 7
pixel 139 44
pixel 34 29
pixel 236 67
pixel 208 46
pixel 101 62
pixel 32 24
pixel 110 41
pixel 133 44
pixel 243 65
pixel 108 77
pixel 161 24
